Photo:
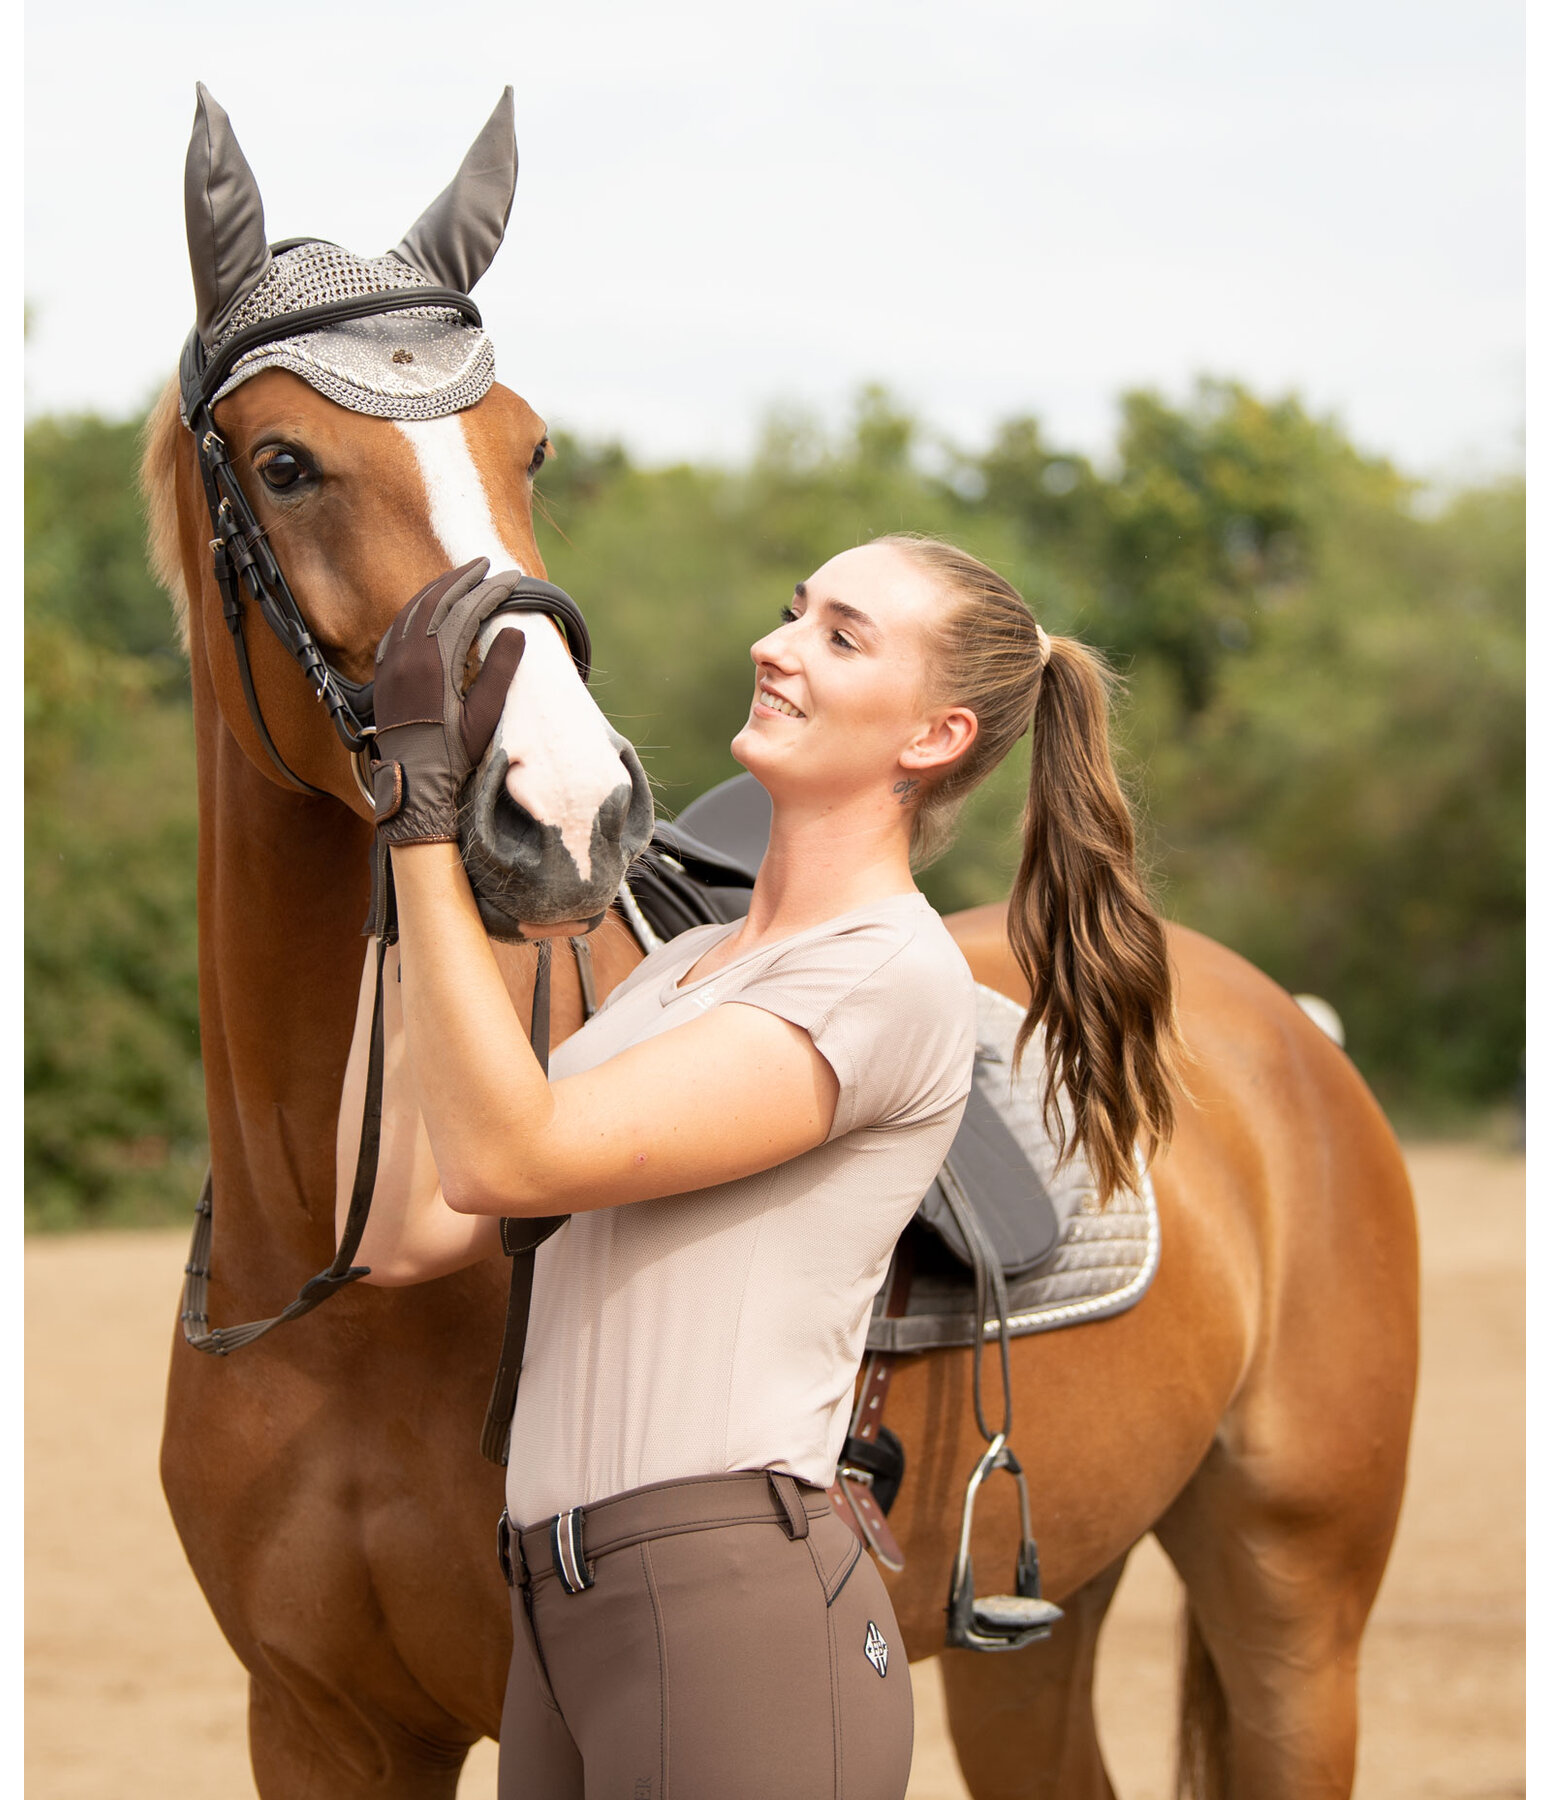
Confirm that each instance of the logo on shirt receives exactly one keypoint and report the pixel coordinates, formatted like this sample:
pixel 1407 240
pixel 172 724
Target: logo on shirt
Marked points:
pixel 876 1648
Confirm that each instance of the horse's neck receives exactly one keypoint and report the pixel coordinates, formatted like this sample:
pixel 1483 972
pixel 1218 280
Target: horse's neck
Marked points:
pixel 284 884
pixel 283 888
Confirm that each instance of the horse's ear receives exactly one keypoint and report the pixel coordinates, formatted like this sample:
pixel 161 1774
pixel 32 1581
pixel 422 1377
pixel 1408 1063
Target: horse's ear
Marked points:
pixel 455 239
pixel 227 247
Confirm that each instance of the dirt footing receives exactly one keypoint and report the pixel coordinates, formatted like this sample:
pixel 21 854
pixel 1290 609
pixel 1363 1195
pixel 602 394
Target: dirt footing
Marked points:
pixel 132 1692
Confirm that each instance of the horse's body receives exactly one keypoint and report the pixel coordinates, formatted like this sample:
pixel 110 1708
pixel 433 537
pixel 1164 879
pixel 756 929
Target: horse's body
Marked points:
pixel 1253 1409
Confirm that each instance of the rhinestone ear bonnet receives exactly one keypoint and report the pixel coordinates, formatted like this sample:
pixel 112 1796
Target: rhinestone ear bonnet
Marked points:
pixel 420 363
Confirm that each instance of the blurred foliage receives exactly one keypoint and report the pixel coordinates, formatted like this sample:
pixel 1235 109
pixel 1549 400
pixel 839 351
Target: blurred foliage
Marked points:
pixel 115 1101
pixel 1323 723
pixel 86 571
pixel 1324 728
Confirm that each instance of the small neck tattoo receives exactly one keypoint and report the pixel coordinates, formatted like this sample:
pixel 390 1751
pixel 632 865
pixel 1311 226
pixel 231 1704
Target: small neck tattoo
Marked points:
pixel 904 789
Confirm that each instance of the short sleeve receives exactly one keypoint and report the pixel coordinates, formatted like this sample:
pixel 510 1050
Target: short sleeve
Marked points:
pixel 890 1008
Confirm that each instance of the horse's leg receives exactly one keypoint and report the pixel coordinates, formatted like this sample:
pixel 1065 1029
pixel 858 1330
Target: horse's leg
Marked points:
pixel 1022 1720
pixel 1282 1535
pixel 1277 1606
pixel 356 1585
pixel 304 1748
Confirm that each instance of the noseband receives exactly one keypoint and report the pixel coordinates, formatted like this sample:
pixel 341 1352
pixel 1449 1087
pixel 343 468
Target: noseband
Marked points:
pixel 240 547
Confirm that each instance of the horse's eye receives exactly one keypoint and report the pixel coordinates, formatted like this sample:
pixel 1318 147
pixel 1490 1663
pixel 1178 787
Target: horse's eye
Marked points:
pixel 540 457
pixel 282 471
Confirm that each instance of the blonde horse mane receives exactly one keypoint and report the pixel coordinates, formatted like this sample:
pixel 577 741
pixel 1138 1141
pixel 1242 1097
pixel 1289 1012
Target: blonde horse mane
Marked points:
pixel 158 489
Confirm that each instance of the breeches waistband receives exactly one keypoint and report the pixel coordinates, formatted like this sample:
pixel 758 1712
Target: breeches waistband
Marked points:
pixel 695 1640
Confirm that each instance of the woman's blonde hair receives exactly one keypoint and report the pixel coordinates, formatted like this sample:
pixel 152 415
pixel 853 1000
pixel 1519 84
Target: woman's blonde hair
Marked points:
pixel 1080 924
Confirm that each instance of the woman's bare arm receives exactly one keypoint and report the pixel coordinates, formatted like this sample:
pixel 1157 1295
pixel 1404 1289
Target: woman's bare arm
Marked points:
pixel 734 1092
pixel 411 1233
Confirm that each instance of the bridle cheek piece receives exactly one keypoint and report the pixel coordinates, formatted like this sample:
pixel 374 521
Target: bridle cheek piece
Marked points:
pixel 245 567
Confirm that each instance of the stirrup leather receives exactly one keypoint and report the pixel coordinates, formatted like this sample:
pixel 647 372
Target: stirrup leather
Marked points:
pixel 999 1621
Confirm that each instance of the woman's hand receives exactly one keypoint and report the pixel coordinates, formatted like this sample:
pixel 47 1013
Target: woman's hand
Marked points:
pixel 736 1091
pixel 430 734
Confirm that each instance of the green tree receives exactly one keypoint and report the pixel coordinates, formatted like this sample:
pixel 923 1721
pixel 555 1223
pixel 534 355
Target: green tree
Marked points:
pixel 1323 728
pixel 85 542
pixel 1349 814
pixel 115 1102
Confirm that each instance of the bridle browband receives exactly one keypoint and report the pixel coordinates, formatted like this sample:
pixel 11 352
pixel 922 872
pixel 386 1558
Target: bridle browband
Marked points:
pixel 243 560
pixel 240 547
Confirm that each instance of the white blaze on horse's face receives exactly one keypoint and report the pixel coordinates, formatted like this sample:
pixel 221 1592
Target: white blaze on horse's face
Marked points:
pixel 563 759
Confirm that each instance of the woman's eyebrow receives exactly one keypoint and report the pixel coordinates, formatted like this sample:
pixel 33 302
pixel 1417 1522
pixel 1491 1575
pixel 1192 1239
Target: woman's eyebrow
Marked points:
pixel 842 607
pixel 853 613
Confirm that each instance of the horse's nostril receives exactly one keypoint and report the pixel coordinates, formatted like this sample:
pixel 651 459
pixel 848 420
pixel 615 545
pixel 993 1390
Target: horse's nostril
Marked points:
pixel 506 828
pixel 639 811
pixel 611 814
pixel 496 831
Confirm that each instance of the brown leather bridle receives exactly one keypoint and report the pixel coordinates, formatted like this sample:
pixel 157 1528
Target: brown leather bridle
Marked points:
pixel 246 570
pixel 245 566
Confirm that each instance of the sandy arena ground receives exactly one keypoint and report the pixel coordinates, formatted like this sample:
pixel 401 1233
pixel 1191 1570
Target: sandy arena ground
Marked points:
pixel 132 1693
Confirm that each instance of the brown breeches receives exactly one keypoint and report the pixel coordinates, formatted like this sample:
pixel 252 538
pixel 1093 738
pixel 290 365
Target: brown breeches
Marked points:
pixel 736 1641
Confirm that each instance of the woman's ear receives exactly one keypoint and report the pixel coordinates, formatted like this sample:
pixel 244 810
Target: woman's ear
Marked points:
pixel 942 740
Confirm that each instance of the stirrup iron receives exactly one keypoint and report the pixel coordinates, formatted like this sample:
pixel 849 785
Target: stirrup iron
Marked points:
pixel 999 1621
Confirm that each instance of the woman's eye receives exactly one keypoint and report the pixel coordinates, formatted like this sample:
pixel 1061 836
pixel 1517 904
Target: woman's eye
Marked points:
pixel 540 457
pixel 282 471
pixel 842 641
pixel 787 614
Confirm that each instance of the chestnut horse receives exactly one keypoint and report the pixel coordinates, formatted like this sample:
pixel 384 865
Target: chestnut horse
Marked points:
pixel 1252 1411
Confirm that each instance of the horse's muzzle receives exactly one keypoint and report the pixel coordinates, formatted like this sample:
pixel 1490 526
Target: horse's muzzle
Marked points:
pixel 520 868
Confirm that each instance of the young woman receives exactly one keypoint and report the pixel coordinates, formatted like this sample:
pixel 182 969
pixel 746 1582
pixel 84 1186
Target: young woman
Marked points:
pixel 740 1135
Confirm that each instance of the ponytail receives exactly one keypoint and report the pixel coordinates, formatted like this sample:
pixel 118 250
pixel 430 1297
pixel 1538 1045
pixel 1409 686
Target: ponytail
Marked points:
pixel 1083 932
pixel 1087 939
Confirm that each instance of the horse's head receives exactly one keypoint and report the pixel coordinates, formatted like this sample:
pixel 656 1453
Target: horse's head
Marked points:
pixel 353 454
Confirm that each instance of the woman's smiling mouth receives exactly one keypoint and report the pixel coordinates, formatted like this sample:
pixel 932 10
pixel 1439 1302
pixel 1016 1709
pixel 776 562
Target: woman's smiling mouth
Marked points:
pixel 773 702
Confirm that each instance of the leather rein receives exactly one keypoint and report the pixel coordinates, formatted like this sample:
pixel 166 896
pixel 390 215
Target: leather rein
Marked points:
pixel 246 570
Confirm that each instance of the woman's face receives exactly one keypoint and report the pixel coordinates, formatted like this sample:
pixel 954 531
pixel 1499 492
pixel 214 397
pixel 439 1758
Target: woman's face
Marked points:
pixel 840 686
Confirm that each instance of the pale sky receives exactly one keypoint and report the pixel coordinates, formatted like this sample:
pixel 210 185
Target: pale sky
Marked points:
pixel 993 207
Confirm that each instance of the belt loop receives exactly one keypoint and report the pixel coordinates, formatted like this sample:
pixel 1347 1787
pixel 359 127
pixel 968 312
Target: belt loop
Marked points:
pixel 790 1499
pixel 570 1560
pixel 503 1535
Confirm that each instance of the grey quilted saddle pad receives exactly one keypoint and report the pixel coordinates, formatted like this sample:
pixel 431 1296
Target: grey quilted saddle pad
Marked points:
pixel 1102 1260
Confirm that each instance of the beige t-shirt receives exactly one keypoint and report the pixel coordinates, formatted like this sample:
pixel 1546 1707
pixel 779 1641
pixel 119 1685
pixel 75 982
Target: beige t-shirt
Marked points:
pixel 722 1329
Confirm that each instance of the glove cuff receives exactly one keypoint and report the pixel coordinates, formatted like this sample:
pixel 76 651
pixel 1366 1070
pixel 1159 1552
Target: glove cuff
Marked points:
pixel 415 800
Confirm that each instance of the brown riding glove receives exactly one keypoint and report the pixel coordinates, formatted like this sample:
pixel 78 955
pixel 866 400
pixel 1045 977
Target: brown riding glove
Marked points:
pixel 430 733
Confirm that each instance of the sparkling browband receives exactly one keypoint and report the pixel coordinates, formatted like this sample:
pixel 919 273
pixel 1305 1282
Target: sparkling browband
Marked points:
pixel 372 334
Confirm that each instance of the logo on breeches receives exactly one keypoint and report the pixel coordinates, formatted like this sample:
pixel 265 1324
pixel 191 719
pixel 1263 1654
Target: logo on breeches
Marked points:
pixel 876 1648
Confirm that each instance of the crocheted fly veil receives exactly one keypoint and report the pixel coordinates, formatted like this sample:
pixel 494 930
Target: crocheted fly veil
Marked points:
pixel 415 363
